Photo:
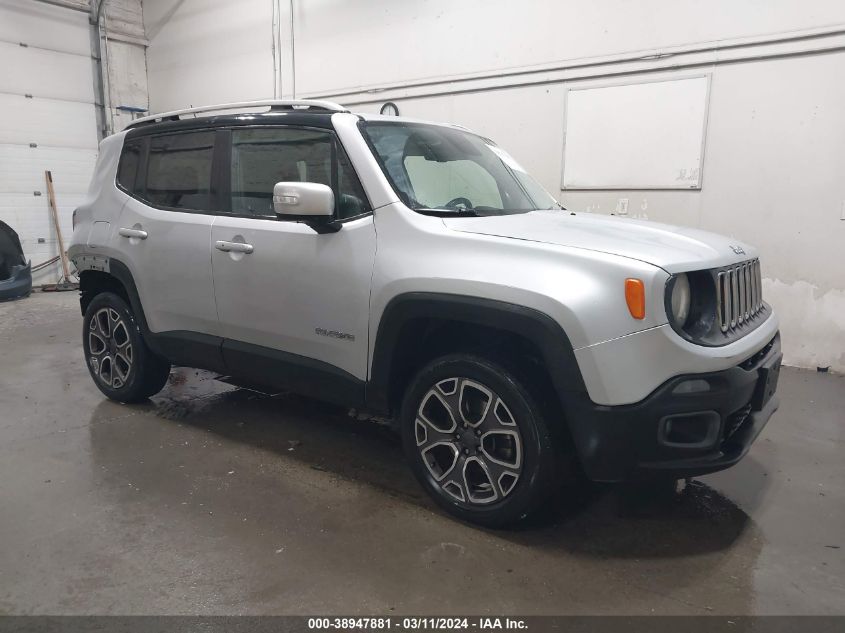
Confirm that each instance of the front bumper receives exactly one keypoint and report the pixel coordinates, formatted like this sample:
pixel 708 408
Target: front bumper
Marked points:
pixel 617 443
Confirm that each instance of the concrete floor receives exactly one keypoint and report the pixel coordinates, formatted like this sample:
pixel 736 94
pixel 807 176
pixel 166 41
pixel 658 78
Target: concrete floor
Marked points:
pixel 212 500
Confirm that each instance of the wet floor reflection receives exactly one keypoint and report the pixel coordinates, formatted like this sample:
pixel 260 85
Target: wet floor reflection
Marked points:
pixel 236 470
pixel 643 521
pixel 620 521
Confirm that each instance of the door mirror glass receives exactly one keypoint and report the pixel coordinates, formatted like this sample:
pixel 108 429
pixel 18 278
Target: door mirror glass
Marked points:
pixel 302 200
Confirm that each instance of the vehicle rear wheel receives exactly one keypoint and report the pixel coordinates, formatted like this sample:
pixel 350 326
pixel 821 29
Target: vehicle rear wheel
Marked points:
pixel 121 364
pixel 477 440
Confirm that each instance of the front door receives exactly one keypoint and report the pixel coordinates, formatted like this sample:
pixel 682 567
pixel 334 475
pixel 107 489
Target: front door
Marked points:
pixel 293 304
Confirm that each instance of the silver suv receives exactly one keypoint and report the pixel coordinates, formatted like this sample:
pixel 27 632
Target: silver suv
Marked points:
pixel 416 271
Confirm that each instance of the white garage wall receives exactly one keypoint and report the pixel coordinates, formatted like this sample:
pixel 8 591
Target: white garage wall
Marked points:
pixel 405 41
pixel 775 141
pixel 53 128
pixel 209 51
pixel 48 103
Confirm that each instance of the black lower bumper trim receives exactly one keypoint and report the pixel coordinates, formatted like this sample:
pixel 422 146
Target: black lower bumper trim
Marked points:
pixel 629 442
pixel 729 454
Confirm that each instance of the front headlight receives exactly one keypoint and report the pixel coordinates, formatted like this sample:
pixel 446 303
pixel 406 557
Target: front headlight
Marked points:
pixel 680 300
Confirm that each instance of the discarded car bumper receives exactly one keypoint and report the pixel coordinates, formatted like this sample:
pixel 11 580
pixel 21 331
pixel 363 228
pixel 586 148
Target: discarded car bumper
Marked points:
pixel 18 285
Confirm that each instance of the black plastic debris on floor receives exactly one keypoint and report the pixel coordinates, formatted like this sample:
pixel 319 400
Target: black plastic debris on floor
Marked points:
pixel 15 272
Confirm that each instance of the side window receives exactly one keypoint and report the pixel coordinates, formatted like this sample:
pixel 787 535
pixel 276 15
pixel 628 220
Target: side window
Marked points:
pixel 264 156
pixel 261 157
pixel 179 170
pixel 127 168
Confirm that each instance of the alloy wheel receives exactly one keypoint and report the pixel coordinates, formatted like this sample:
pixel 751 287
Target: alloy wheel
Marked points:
pixel 469 441
pixel 109 348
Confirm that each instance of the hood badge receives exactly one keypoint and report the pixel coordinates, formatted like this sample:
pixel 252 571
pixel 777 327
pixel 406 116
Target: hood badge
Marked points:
pixel 737 249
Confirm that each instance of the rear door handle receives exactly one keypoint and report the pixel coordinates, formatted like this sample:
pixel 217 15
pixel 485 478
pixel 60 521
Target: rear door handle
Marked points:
pixel 233 247
pixel 141 235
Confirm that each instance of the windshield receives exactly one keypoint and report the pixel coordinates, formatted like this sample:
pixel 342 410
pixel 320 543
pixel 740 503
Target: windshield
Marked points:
pixel 444 171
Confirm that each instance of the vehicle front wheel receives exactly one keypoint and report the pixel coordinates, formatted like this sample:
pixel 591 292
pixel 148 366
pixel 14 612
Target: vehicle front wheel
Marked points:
pixel 477 440
pixel 121 364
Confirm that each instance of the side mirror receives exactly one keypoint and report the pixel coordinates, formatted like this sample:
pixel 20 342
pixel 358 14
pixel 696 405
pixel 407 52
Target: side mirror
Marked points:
pixel 308 202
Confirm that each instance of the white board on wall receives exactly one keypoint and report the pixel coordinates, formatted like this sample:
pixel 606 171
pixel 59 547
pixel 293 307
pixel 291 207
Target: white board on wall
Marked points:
pixel 647 135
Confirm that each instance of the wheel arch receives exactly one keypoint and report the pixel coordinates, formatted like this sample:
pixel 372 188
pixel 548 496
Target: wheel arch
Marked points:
pixel 115 277
pixel 408 331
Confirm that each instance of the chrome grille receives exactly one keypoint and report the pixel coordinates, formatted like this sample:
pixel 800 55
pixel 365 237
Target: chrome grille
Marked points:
pixel 739 294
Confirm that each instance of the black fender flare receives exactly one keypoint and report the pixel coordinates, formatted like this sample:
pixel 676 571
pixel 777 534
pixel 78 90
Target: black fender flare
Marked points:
pixel 539 328
pixel 117 270
pixel 120 272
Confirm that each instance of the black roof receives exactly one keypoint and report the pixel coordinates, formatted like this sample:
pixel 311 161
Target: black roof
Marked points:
pixel 319 119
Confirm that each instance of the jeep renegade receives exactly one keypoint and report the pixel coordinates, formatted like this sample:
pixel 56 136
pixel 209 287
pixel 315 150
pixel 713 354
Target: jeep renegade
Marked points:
pixel 416 271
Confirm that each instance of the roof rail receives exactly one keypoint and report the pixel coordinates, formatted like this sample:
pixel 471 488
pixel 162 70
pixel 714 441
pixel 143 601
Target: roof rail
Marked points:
pixel 274 105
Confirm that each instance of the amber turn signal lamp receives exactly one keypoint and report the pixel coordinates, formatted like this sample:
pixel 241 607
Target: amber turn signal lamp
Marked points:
pixel 635 297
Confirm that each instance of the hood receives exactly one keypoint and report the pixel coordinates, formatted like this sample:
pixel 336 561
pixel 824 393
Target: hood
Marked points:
pixel 672 248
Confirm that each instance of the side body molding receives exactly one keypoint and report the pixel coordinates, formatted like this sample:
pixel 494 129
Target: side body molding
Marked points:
pixel 540 329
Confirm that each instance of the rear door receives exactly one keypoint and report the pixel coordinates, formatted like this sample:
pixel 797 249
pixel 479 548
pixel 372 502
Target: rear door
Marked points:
pixel 293 308
pixel 164 234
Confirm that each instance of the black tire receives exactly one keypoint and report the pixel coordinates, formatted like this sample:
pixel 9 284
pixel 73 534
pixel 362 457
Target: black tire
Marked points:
pixel 120 363
pixel 509 500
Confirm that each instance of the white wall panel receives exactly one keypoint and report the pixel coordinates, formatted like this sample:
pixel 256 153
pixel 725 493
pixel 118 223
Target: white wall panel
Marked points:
pixel 60 120
pixel 208 51
pixel 46 26
pixel 47 122
pixel 44 73
pixel 22 168
pixel 32 215
pixel 347 45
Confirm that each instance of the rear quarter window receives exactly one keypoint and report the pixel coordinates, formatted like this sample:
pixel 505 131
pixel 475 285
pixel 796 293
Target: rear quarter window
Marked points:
pixel 127 168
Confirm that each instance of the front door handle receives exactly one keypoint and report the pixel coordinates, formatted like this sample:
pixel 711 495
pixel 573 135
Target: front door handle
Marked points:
pixel 141 235
pixel 233 247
